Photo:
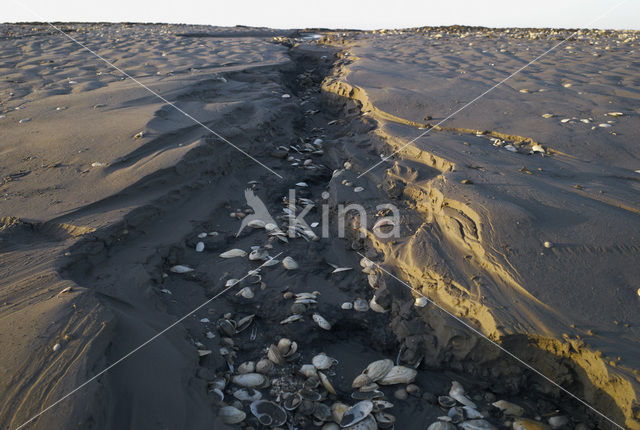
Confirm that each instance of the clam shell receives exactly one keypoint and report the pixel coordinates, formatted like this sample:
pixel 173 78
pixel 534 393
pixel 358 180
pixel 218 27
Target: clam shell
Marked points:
pixel 326 383
pixel 290 319
pixel 421 302
pixel 362 380
pixel 244 323
pixel 289 263
pixel 308 370
pixel 264 366
pixel 337 411
pixel 181 268
pixel 227 327
pixel 275 355
pixel 321 321
pixel 376 307
pixel 457 392
pixel 268 413
pixel 231 415
pixel 231 282
pixel 356 413
pixel 286 347
pixel 246 292
pixel 247 394
pixel 292 402
pixel 347 306
pixel 258 254
pixel 378 369
pixel 322 361
pixel 509 408
pixel 477 425
pixel 250 380
pixel 441 425
pixel 384 419
pixel 199 246
pixel 233 253
pixel 247 367
pixel 256 223
pixel 399 375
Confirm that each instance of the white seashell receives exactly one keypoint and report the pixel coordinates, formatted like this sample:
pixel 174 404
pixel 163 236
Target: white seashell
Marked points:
pixel 511 148
pixel 322 361
pixel 292 318
pixel 247 367
pixel 564 120
pixel 302 184
pixel 205 320
pixel 247 394
pixel 231 415
pixel 232 253
pixel 341 269
pixel 56 347
pixel 356 413
pixel 258 254
pixel 614 114
pixel 246 292
pixel 509 408
pixel 231 282
pixel 308 370
pixel 378 369
pixel 250 380
pixel 347 306
pixel 421 301
pixel 321 321
pixel 256 223
pixel 330 426
pixel 202 235
pixel 399 375
pixel 264 366
pixel 289 263
pixel 286 96
pixel 361 381
pixel 318 142
pixel 376 307
pixel 315 224
pixel 360 305
pixel 471 413
pixel 275 355
pixel 326 383
pixel 270 226
pixel 457 392
pixel 382 222
pixel 210 335
pixel 358 189
pixel 558 421
pixel 547 115
pixel 325 195
pixel 204 352
pixel 604 125
pixel 538 148
pixel 271 262
pixel 199 246
pixel 180 268
pixel 476 425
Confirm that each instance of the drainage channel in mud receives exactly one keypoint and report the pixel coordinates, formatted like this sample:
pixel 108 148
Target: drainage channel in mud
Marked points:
pixel 234 333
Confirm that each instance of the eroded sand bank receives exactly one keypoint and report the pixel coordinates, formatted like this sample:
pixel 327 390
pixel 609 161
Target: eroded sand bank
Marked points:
pixel 87 205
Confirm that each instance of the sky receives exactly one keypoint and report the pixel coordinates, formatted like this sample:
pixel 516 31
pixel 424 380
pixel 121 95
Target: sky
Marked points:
pixel 370 14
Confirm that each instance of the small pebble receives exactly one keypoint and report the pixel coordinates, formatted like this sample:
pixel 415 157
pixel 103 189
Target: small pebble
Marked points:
pixel 401 394
pixel 56 347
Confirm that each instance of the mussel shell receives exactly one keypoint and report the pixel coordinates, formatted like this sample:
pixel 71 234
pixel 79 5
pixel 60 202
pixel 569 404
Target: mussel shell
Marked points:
pixel 268 413
pixel 356 413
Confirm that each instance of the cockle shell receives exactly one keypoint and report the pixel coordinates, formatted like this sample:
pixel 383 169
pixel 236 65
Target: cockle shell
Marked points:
pixel 232 253
pixel 250 380
pixel 356 413
pixel 275 355
pixel 399 375
pixel 321 321
pixel 181 268
pixel 231 415
pixel 322 361
pixel 378 369
pixel 289 263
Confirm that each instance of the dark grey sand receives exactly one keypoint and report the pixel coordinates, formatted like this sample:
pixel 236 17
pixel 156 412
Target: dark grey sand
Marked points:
pixel 88 206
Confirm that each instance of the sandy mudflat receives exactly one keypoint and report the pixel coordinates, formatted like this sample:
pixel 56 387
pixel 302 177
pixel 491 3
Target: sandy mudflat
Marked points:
pixel 105 188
